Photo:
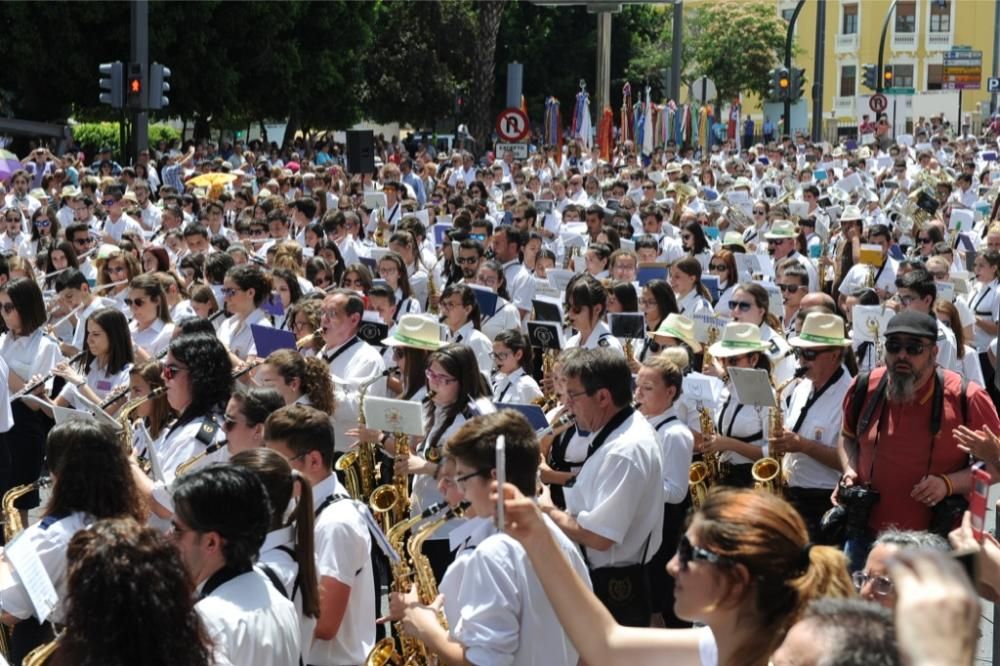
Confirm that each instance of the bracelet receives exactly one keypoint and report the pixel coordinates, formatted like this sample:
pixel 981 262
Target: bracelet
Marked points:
pixel 947 483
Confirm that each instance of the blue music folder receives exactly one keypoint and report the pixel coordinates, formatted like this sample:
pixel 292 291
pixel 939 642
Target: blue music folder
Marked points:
pixel 273 306
pixel 269 339
pixel 648 272
pixel 534 413
pixel 487 300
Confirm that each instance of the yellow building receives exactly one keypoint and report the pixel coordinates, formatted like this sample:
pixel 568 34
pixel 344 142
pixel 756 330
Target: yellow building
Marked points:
pixel 919 35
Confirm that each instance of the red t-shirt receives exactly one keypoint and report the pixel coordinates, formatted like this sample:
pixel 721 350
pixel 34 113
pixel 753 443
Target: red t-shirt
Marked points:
pixel 903 450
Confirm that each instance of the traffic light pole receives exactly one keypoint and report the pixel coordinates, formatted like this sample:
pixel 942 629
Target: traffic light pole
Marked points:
pixel 881 47
pixel 140 54
pixel 817 87
pixel 787 123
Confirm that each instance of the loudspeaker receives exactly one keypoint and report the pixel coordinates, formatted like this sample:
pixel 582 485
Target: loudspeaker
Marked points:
pixel 360 151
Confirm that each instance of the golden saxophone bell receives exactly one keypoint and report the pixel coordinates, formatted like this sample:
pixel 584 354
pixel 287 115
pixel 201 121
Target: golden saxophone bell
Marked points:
pixel 766 474
pixel 698 480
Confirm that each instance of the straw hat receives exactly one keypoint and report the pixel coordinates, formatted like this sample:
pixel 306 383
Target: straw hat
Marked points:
pixel 416 331
pixel 733 238
pixel 679 327
pixel 738 339
pixel 851 213
pixel 821 330
pixel 782 229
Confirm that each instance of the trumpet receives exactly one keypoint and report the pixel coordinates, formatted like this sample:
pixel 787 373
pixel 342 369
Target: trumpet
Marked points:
pixel 31 386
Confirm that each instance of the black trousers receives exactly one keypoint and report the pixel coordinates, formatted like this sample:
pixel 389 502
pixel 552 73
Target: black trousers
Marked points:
pixel 811 503
pixel 661 583
pixel 736 476
pixel 23 452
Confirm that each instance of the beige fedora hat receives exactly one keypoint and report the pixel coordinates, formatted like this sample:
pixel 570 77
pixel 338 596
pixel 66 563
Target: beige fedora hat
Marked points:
pixel 821 330
pixel 415 331
pixel 782 229
pixel 679 327
pixel 738 339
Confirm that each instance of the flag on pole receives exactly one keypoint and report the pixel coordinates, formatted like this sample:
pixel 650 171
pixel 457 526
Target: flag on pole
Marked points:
pixel 626 114
pixel 553 124
pixel 582 125
pixel 605 133
pixel 647 124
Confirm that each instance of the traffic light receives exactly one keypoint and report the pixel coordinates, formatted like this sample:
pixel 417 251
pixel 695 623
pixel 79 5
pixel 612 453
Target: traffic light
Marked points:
pixel 112 83
pixel 159 86
pixel 887 77
pixel 134 86
pixel 797 83
pixel 780 81
pixel 870 79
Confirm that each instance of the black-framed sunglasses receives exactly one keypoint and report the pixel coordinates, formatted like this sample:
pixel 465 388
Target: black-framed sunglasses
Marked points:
pixel 718 267
pixel 790 288
pixel 809 354
pixel 687 552
pixel 137 302
pixel 742 306
pixel 911 348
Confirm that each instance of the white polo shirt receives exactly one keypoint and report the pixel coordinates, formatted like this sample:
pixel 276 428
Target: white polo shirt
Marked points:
pixel 154 338
pixel 618 494
pixel 677 449
pixel 237 335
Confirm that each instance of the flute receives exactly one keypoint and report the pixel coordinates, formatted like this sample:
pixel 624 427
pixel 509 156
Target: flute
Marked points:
pixel 72 312
pixel 102 287
pixel 30 387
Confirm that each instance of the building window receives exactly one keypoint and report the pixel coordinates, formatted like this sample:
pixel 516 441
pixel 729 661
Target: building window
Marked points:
pixel 906 17
pixel 850 26
pixel 848 80
pixel 940 16
pixel 902 76
pixel 786 14
pixel 935 73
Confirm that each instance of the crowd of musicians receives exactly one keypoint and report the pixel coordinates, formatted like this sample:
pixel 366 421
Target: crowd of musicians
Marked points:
pixel 199 502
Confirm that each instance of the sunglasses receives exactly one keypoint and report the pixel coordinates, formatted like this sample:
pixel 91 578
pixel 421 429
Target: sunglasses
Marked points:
pixel 911 348
pixel 686 553
pixel 439 378
pixel 41 224
pixel 170 371
pixel 718 267
pixel 83 241
pixel 229 293
pixel 808 354
pixel 229 424
pixel 137 302
pixel 742 306
pixel 790 288
pixel 109 202
pixel 13 219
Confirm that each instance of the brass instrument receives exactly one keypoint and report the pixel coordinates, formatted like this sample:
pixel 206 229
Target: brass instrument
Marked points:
pixel 186 466
pixel 704 473
pixel 124 416
pixel 13 521
pixel 707 360
pixel 385 651
pixel 378 236
pixel 390 502
pixel 358 465
pixel 314 339
pixel 684 194
pixel 41 654
pixel 432 293
pixel 768 474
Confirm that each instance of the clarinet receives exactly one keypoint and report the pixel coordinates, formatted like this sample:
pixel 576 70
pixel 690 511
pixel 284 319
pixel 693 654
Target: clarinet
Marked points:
pixel 29 388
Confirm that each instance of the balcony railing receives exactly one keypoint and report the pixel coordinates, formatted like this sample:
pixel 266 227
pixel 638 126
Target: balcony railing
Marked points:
pixel 904 41
pixel 940 41
pixel 844 106
pixel 847 42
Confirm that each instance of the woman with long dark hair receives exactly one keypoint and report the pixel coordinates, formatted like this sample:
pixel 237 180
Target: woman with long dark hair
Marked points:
pixel 491 275
pixel 750 304
pixel 106 363
pixel 513 358
pixel 91 480
pixel 696 244
pixel 460 316
pixel 656 302
pixel 150 621
pixel 244 289
pixel 286 286
pixel 692 296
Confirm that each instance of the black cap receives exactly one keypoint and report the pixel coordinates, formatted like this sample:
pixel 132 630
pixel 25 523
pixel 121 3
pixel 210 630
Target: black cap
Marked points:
pixel 914 323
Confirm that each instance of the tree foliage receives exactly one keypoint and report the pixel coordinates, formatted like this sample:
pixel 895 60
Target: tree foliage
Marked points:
pixel 737 44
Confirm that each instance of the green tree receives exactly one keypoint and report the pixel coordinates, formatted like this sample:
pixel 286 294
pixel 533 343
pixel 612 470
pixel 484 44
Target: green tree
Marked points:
pixel 737 44
pixel 653 53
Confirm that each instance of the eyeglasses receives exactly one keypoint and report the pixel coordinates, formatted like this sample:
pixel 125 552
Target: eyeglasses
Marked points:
pixel 83 241
pixel 460 480
pixel 924 241
pixel 687 552
pixel 718 267
pixel 576 396
pixel 439 378
pixel 881 585
pixel 137 302
pixel 906 300
pixel 911 348
pixel 13 219
pixel 500 356
pixel 809 354
pixel 467 260
pixel 228 292
pixel 7 307
pixel 742 306
pixel 170 371
pixel 790 288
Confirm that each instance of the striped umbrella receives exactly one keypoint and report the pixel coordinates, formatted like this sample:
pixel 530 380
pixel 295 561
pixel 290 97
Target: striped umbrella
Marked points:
pixel 8 165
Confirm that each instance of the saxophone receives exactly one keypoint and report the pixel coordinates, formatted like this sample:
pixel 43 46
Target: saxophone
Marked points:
pixel 702 474
pixel 548 400
pixel 390 502
pixel 385 651
pixel 768 473
pixel 124 418
pixel 432 293
pixel 41 654
pixel 13 523
pixel 707 360
pixel 358 464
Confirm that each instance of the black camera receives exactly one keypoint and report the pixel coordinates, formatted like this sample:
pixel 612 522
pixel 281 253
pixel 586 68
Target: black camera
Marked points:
pixel 858 502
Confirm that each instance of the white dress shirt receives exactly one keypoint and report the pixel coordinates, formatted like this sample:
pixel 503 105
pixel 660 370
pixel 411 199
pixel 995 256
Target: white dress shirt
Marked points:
pixel 237 335
pixel 495 604
pixel 693 303
pixel 29 355
pixel 478 343
pixel 249 622
pixel 343 546
pixel 984 302
pixel 154 338
pixel 505 317
pixel 599 337
pixel 821 424
pixel 517 387
pixel 354 362
pixel 618 494
pixel 677 448
pixel 739 421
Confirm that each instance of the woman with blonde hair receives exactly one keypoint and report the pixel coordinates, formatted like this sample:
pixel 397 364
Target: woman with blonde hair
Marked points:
pixel 744 568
